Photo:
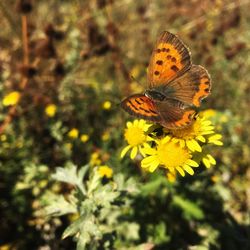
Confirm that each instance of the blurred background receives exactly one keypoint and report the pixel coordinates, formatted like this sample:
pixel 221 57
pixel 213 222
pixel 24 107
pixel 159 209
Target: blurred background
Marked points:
pixel 64 68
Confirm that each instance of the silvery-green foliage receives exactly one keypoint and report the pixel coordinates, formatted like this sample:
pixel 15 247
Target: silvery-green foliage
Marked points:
pixel 98 206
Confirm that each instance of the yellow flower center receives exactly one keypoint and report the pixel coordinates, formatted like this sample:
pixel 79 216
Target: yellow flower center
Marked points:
pixel 171 155
pixel 135 136
pixel 189 132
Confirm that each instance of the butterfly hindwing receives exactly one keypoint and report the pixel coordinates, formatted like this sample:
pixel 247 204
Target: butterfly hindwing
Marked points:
pixel 170 59
pixel 142 107
pixel 174 114
pixel 190 88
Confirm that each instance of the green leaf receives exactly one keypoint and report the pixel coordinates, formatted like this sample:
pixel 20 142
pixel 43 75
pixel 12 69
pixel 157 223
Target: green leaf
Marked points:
pixel 154 185
pixel 70 175
pixel 190 209
pixel 59 206
pixel 104 196
pixel 94 182
pixel 74 228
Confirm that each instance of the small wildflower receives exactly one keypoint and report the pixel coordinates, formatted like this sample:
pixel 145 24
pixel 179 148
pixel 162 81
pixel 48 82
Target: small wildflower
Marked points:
pixel 95 159
pixel 50 110
pixel 3 137
pixel 106 136
pixel 68 146
pixel 208 113
pixel 105 171
pixel 215 178
pixel 84 138
pixel 73 133
pixel 106 105
pixel 12 98
pixel 193 135
pixel 136 137
pixel 169 155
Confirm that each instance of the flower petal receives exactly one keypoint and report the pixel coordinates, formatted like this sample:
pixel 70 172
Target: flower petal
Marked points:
pixel 171 177
pixel 188 169
pixel 149 151
pixel 148 160
pixel 153 166
pixel 211 159
pixel 192 163
pixel 133 152
pixel 125 150
pixel 206 162
pixel 201 138
pixel 136 122
pixel 182 143
pixel 181 171
pixel 166 139
pixel 215 137
pixel 129 124
pixel 141 151
pixel 193 145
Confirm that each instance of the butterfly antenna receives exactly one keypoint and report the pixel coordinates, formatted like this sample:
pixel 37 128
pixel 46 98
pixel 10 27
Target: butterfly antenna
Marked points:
pixel 135 80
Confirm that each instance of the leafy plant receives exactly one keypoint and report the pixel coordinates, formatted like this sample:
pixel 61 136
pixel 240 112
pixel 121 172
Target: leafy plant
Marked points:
pixel 97 206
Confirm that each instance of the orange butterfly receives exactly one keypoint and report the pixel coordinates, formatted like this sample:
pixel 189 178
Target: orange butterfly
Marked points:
pixel 176 86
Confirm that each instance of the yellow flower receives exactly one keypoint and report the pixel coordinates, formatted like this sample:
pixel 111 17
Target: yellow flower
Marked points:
pixel 105 171
pixel 68 146
pixel 50 110
pixel 208 113
pixel 136 137
pixel 215 178
pixel 106 105
pixel 3 137
pixel 95 159
pixel 12 98
pixel 105 136
pixel 169 155
pixel 193 135
pixel 6 247
pixel 73 133
pixel 84 138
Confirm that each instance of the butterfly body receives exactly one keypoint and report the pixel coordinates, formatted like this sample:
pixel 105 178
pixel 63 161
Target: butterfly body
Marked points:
pixel 176 86
pixel 155 95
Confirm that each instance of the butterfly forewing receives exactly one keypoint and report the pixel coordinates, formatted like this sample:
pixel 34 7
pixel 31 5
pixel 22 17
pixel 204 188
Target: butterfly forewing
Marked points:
pixel 170 59
pixel 142 107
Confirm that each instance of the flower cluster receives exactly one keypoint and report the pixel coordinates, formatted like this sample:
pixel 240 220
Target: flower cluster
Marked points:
pixel 175 151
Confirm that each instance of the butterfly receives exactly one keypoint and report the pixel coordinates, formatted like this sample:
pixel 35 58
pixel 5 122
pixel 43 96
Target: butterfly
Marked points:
pixel 175 86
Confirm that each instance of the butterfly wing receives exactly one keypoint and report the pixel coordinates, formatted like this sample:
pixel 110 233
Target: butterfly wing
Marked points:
pixel 142 107
pixel 174 114
pixel 170 59
pixel 190 88
pixel 171 113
